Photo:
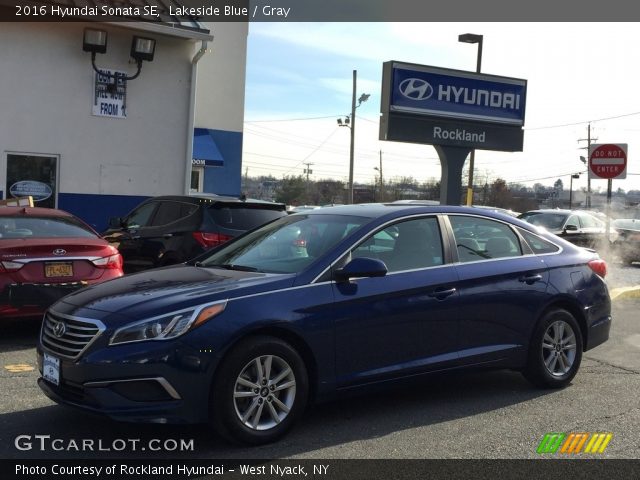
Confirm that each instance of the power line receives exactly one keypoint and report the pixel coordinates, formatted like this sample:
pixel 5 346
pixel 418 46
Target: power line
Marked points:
pixel 292 119
pixel 584 122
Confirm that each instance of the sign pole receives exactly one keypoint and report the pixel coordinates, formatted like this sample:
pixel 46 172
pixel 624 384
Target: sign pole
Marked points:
pixel 608 228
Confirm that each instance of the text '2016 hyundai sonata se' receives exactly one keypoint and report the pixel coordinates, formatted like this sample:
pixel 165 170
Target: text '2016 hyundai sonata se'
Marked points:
pixel 321 302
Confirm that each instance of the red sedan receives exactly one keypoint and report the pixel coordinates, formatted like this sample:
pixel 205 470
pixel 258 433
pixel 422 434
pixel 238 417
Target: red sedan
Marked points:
pixel 45 254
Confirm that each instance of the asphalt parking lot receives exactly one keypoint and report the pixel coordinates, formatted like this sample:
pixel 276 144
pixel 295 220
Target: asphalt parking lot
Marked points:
pixel 477 415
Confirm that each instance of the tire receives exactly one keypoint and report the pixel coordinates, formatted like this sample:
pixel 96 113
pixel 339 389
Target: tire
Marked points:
pixel 252 407
pixel 555 351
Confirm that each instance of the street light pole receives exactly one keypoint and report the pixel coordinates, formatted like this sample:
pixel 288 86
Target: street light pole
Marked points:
pixel 353 133
pixel 350 122
pixel 472 38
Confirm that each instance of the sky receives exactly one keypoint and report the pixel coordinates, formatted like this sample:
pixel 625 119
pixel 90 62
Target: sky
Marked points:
pixel 299 82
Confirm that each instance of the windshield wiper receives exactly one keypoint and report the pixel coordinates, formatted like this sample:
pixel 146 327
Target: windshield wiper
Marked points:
pixel 240 268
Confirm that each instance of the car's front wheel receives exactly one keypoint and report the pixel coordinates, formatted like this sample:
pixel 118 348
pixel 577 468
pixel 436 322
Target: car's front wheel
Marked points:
pixel 555 351
pixel 259 392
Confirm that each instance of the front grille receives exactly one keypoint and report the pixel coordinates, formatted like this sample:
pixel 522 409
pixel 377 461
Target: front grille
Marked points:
pixel 68 336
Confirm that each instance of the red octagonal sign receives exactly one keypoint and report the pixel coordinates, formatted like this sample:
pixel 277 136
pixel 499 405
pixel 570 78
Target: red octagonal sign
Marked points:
pixel 608 160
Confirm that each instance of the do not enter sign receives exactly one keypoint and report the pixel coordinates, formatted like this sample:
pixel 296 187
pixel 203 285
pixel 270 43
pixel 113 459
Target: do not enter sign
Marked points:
pixel 608 160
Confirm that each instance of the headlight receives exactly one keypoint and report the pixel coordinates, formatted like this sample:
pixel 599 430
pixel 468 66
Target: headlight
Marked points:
pixel 165 327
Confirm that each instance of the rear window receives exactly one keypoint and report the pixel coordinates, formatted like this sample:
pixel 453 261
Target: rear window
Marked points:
pixel 242 217
pixel 537 244
pixel 43 227
pixel 551 221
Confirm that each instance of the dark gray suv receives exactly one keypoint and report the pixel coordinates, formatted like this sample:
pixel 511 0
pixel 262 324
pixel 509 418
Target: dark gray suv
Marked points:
pixel 173 229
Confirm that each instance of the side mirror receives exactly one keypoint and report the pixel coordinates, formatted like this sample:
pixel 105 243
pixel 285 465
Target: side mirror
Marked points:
pixel 362 267
pixel 571 228
pixel 115 222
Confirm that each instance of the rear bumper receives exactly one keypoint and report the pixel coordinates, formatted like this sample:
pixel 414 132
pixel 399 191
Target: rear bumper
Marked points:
pixel 31 300
pixel 40 295
pixel 598 332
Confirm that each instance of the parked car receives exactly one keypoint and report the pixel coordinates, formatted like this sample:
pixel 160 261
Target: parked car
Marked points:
pixel 302 208
pixel 45 254
pixel 628 243
pixel 579 227
pixel 506 211
pixel 245 336
pixel 173 229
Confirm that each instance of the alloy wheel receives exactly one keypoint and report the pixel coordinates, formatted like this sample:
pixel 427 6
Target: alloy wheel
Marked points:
pixel 559 348
pixel 264 392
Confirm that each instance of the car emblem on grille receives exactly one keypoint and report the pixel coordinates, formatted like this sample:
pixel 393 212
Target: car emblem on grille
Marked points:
pixel 59 329
pixel 59 251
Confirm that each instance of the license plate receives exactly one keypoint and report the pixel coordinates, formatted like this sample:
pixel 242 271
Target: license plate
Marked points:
pixel 58 269
pixel 51 369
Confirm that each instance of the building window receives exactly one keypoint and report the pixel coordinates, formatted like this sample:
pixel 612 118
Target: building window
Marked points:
pixel 33 175
pixel 197 179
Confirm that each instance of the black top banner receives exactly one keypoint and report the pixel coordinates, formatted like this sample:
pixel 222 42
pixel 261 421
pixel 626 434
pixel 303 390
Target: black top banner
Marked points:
pixel 175 11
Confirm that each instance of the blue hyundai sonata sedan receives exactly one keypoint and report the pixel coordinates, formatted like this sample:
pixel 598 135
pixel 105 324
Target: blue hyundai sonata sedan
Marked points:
pixel 321 302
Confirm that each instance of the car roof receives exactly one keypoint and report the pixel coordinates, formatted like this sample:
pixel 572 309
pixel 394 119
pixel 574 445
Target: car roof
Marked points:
pixel 375 210
pixel 32 211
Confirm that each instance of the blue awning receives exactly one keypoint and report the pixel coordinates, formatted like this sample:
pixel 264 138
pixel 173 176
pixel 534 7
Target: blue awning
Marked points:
pixel 205 150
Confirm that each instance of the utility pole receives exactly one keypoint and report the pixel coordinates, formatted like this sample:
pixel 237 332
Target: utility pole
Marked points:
pixel 381 179
pixel 308 170
pixel 585 160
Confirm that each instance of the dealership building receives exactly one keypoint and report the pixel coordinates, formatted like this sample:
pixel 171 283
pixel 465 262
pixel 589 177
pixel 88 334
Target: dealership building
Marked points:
pixel 161 113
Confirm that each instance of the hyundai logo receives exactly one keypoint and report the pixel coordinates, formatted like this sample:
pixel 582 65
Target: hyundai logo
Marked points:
pixel 415 89
pixel 59 251
pixel 59 329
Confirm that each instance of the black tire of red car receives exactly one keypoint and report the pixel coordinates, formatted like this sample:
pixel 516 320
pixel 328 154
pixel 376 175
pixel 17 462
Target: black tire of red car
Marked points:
pixel 555 351
pixel 259 391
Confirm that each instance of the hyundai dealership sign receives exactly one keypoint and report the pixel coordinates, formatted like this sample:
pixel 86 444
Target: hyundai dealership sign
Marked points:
pixel 424 104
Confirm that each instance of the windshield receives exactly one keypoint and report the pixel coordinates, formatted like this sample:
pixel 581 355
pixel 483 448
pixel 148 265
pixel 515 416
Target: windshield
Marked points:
pixel 550 221
pixel 287 245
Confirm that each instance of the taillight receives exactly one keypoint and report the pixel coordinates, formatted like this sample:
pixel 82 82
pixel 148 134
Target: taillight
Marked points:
pixel 208 240
pixel 10 266
pixel 112 261
pixel 599 267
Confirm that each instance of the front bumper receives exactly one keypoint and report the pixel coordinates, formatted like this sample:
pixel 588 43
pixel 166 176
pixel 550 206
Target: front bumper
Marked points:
pixel 152 385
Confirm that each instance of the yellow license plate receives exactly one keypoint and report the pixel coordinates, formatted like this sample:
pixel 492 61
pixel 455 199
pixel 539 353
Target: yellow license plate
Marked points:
pixel 58 270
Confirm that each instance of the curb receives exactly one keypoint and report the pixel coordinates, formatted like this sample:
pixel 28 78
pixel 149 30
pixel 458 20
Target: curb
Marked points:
pixel 624 293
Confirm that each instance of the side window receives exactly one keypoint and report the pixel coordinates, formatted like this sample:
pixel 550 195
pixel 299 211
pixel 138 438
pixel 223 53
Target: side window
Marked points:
pixel 168 212
pixel 587 221
pixel 407 245
pixel 141 216
pixel 537 244
pixel 187 209
pixel 483 239
pixel 573 220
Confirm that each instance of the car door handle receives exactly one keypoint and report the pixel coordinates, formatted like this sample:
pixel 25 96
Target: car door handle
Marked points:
pixel 442 293
pixel 530 279
pixel 167 235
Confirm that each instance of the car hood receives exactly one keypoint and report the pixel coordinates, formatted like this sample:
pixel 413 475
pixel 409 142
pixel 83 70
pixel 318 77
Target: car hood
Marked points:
pixel 163 290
